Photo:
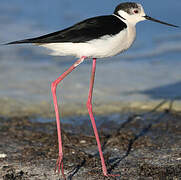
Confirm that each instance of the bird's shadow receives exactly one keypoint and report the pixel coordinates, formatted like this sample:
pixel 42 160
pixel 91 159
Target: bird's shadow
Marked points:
pixel 76 169
pixel 114 162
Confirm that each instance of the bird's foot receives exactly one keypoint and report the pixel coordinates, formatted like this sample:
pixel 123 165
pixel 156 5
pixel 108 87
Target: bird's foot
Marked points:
pixel 59 165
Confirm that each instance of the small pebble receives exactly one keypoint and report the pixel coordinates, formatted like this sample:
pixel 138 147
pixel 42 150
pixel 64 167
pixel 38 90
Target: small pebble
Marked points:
pixel 3 155
pixel 115 149
pixel 82 141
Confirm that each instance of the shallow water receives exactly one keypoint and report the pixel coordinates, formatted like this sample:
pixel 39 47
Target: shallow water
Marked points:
pixel 148 71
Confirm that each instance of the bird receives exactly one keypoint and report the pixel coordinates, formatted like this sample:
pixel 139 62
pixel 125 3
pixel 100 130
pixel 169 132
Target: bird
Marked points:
pixel 94 38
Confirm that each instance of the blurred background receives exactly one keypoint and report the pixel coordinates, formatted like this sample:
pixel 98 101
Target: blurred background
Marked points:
pixel 149 71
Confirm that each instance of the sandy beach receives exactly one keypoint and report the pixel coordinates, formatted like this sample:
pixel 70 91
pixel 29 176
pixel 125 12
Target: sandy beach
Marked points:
pixel 137 144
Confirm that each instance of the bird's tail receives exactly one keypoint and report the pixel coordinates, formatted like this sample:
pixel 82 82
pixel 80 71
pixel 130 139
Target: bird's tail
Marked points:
pixel 21 41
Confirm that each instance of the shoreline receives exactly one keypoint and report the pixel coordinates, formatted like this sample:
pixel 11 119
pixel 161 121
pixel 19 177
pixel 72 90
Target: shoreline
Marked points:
pixel 12 107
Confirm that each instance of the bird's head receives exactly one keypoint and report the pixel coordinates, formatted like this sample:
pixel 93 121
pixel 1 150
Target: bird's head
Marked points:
pixel 134 13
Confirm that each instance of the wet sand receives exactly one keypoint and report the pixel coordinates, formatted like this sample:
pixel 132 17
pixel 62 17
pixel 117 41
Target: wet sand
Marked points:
pixel 145 145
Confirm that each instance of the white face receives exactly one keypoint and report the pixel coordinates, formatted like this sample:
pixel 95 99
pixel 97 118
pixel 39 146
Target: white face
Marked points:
pixel 133 15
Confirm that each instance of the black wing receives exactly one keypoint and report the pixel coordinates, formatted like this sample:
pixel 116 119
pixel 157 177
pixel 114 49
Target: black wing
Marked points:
pixel 86 30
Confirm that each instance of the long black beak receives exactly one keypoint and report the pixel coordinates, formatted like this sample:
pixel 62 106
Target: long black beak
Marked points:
pixel 155 20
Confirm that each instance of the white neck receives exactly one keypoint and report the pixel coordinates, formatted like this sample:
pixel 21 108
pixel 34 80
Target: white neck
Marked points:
pixel 121 18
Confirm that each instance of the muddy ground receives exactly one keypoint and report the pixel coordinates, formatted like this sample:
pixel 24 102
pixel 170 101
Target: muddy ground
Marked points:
pixel 145 146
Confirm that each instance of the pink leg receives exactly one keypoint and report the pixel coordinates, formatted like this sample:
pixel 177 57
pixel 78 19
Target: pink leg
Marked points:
pixel 89 107
pixel 53 88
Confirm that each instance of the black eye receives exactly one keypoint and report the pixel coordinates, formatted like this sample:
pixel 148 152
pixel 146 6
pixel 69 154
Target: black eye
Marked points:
pixel 136 11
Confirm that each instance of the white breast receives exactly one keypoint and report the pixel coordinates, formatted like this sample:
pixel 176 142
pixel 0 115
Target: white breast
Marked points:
pixel 104 47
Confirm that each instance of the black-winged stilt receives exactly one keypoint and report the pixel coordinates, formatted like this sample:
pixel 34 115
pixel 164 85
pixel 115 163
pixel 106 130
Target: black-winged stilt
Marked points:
pixel 97 37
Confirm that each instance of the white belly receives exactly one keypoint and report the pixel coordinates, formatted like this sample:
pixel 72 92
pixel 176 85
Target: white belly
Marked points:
pixel 105 47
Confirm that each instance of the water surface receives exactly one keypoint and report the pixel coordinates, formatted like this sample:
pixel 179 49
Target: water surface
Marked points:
pixel 148 71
